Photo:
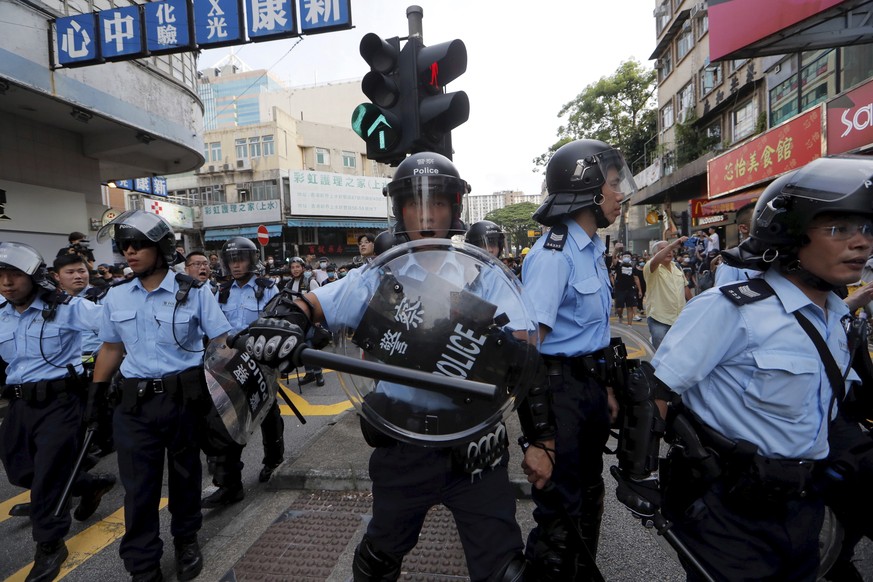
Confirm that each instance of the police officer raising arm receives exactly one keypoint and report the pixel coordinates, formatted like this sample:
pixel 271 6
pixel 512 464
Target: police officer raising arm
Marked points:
pixel 425 198
pixel 40 340
pixel 153 327
pixel 742 488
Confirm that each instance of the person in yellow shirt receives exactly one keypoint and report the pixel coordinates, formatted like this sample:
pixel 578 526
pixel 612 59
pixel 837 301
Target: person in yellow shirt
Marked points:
pixel 666 289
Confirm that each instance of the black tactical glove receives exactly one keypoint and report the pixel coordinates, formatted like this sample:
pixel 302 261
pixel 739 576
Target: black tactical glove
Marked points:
pixel 96 392
pixel 643 497
pixel 272 342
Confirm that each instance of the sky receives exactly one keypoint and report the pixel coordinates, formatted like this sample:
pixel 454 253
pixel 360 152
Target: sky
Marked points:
pixel 524 62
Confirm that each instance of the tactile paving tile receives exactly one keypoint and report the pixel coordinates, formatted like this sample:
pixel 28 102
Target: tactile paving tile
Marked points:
pixel 306 541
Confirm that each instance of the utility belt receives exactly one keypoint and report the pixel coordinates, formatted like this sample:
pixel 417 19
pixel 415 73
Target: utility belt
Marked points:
pixel 595 365
pixel 748 477
pixel 473 457
pixel 186 386
pixel 43 391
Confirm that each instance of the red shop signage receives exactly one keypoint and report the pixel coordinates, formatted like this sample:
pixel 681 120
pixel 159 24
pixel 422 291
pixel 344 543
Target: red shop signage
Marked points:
pixel 783 148
pixel 850 120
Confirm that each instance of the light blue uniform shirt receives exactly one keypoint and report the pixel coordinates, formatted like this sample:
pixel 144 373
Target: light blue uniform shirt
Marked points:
pixel 242 306
pixel 571 291
pixel 725 274
pixel 90 339
pixel 144 322
pixel 21 335
pixel 751 372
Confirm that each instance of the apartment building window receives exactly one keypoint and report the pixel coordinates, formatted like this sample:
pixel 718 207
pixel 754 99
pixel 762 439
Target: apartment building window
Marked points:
pixel 269 145
pixel 703 26
pixel 735 65
pixel 215 151
pixel 263 190
pixel 350 160
pixel 322 156
pixel 783 100
pixel 743 120
pixel 686 102
pixel 664 65
pixel 714 131
pixel 663 12
pixel 667 116
pixel 685 41
pixel 817 77
pixel 255 147
pixel 241 149
pixel 710 78
pixel 212 195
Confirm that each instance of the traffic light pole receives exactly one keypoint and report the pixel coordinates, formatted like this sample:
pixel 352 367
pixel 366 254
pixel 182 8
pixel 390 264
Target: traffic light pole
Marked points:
pixel 414 15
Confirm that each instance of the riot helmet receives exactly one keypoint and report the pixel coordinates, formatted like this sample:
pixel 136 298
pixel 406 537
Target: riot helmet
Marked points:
pixel 429 183
pixel 301 266
pixel 141 229
pixel 24 258
pixel 783 213
pixel 488 236
pixel 575 176
pixel 239 249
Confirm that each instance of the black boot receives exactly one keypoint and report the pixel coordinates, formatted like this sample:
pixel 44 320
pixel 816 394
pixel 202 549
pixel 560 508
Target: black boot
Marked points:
pixel 91 500
pixel 319 379
pixel 223 496
pixel 189 560
pixel 152 575
pixel 47 561
pixel 20 510
pixel 308 378
pixel 267 472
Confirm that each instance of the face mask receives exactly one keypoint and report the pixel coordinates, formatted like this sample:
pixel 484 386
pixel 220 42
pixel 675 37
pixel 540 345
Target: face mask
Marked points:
pixel 322 265
pixel 686 262
pixel 626 261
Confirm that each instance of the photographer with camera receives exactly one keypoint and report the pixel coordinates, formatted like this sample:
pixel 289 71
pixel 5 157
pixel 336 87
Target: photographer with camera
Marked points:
pixel 79 246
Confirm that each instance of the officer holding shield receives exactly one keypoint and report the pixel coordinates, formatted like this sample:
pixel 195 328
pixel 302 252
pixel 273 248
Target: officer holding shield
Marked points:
pixel 153 327
pixel 408 479
pixel 565 270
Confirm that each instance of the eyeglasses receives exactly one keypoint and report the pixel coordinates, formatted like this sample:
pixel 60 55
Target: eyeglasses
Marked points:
pixel 846 231
pixel 135 244
pixel 198 264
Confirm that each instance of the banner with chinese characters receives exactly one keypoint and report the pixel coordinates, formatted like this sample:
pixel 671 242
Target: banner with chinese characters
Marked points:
pixel 240 213
pixel 783 148
pixel 178 216
pixel 328 194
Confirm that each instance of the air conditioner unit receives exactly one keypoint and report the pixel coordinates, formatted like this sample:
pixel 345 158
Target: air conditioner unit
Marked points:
pixel 226 168
pixel 661 10
pixel 660 63
pixel 211 169
pixel 698 10
pixel 244 164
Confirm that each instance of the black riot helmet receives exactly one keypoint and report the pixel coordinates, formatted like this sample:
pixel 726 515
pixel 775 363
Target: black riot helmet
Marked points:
pixel 236 249
pixel 575 175
pixel 143 228
pixel 426 179
pixel 24 258
pixel 841 184
pixel 486 235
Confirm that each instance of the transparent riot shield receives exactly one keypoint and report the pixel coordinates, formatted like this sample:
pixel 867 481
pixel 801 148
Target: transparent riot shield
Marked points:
pixel 240 390
pixel 445 308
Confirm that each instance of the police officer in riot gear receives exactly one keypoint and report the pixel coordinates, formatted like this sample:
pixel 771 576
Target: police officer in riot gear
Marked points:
pixel 425 199
pixel 152 328
pixel 488 236
pixel 565 271
pixel 40 340
pixel 242 299
pixel 762 397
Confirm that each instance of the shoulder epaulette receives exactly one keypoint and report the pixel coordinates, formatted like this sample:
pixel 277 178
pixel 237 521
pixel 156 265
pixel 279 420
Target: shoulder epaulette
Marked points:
pixel 557 238
pixel 95 294
pixel 265 282
pixel 745 292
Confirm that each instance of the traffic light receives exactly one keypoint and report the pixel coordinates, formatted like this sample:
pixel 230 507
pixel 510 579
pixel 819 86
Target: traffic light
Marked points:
pixel 380 123
pixel 410 111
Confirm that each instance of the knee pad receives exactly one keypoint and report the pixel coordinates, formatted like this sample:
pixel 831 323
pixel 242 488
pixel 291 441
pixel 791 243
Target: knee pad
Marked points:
pixel 371 565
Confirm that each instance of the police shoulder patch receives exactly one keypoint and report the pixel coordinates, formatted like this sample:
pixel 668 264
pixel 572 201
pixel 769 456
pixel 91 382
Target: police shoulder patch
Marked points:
pixel 557 238
pixel 745 292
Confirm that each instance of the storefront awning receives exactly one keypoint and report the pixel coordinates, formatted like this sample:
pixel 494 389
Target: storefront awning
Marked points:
pixel 731 203
pixel 337 223
pixel 247 231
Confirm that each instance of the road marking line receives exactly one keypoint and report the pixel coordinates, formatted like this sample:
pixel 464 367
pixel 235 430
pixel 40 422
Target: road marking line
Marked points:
pixel 88 543
pixel 307 409
pixel 7 505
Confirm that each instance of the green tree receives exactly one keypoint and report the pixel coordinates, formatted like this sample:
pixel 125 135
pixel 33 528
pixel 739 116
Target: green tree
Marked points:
pixel 692 141
pixel 619 110
pixel 515 220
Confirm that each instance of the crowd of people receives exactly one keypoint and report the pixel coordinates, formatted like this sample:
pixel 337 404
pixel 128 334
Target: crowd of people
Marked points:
pixel 766 419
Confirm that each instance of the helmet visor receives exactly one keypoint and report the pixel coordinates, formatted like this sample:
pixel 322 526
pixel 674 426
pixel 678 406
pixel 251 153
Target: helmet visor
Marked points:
pixel 152 226
pixel 20 256
pixel 491 241
pixel 844 177
pixel 425 204
pixel 616 174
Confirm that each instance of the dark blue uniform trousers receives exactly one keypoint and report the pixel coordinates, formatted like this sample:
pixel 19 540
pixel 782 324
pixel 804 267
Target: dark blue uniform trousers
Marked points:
pixel 158 426
pixel 408 480
pixel 38 446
